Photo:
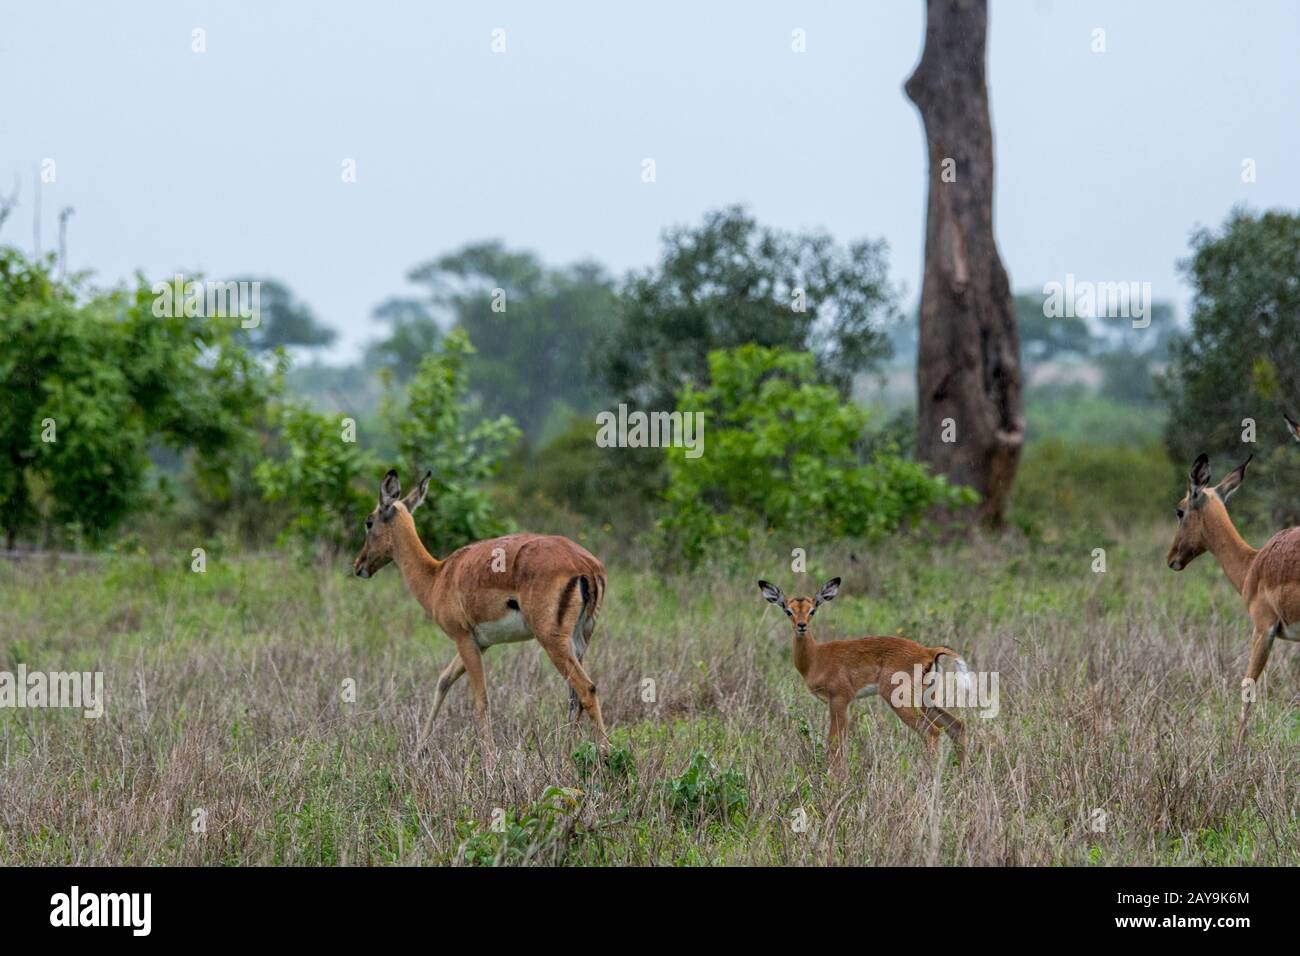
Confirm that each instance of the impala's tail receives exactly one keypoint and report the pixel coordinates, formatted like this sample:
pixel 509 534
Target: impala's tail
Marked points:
pixel 965 679
pixel 591 588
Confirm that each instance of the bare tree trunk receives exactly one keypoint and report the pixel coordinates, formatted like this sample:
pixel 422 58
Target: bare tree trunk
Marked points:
pixel 969 414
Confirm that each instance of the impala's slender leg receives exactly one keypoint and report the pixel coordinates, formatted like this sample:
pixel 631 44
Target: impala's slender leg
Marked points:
pixel 579 650
pixel 956 731
pixel 1258 658
pixel 835 743
pixel 917 720
pixel 472 659
pixel 559 649
pixel 450 674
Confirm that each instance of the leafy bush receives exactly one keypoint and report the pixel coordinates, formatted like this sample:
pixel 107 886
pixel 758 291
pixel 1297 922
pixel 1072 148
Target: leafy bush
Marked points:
pixel 572 471
pixel 703 788
pixel 785 453
pixel 429 429
pixel 321 481
pixel 1061 486
pixel 617 760
pixel 526 833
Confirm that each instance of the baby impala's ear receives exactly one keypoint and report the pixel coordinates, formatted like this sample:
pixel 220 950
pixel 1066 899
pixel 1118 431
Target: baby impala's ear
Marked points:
pixel 828 591
pixel 772 593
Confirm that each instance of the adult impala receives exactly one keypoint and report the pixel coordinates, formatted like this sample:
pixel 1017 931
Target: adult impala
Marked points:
pixel 515 588
pixel 838 672
pixel 1268 579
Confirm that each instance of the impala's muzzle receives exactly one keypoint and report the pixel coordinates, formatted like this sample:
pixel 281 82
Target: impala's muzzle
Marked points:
pixel 362 566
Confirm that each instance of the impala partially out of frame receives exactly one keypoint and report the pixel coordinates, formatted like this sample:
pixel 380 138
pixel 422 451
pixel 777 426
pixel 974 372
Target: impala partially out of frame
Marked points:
pixel 1267 578
pixel 514 588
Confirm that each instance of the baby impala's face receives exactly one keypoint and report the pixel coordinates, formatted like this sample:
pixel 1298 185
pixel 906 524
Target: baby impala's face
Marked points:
pixel 800 611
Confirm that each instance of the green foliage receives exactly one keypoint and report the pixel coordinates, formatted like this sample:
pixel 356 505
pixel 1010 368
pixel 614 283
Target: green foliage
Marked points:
pixel 530 327
pixel 618 760
pixel 91 381
pixel 1270 498
pixel 730 282
pixel 1066 486
pixel 429 429
pixel 524 833
pixel 704 788
pixel 572 471
pixel 320 483
pixel 1239 360
pixel 782 451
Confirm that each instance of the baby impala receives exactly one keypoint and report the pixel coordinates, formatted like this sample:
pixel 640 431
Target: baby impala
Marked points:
pixel 839 671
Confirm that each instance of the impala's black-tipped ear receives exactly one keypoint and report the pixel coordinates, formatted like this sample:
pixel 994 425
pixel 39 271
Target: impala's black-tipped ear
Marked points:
pixel 390 489
pixel 1292 426
pixel 1199 476
pixel 772 593
pixel 416 496
pixel 828 592
pixel 1232 480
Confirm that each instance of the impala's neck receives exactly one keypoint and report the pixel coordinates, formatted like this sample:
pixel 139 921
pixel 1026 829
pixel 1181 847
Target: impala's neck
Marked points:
pixel 805 649
pixel 1231 550
pixel 417 565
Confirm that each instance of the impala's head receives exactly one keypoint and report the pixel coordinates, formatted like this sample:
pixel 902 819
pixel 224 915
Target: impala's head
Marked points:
pixel 800 610
pixel 1200 507
pixel 382 522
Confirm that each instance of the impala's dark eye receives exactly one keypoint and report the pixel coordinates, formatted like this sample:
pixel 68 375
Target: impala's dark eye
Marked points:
pixel 370 523
pixel 1179 512
pixel 812 612
pixel 789 613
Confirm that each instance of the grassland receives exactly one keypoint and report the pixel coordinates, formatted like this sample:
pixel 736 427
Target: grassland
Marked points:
pixel 226 714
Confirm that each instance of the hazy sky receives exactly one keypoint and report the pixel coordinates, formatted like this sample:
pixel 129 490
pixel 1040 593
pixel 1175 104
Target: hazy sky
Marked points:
pixel 229 161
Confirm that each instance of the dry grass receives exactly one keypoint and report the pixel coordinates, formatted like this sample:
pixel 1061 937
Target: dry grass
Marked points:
pixel 1118 693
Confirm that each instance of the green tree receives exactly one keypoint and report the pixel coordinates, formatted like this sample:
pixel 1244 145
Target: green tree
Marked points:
pixel 783 453
pixel 1045 338
pixel 429 427
pixel 1241 356
pixel 90 381
pixel 530 326
pixel 730 282
pixel 414 333
pixel 284 321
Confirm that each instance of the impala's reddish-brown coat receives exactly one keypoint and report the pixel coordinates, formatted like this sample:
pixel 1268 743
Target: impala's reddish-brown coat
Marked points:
pixel 514 588
pixel 1268 578
pixel 839 671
